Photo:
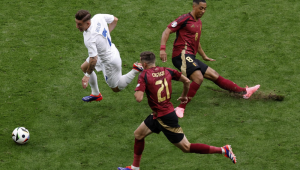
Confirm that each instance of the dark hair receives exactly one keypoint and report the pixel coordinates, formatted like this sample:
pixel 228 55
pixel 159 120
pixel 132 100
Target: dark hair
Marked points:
pixel 148 57
pixel 83 15
pixel 198 1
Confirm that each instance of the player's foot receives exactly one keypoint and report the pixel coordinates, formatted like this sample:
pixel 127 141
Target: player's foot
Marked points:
pixel 138 67
pixel 179 112
pixel 92 97
pixel 126 168
pixel 229 154
pixel 250 91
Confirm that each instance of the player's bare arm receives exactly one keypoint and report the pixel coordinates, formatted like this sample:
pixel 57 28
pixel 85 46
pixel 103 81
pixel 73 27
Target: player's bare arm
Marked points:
pixel 139 96
pixel 163 42
pixel 186 85
pixel 89 70
pixel 112 25
pixel 203 55
pixel 92 64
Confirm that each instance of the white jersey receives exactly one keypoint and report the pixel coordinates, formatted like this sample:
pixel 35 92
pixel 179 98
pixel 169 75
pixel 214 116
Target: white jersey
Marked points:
pixel 97 38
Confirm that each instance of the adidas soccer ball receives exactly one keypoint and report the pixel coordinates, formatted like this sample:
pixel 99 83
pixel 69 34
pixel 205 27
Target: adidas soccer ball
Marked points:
pixel 20 135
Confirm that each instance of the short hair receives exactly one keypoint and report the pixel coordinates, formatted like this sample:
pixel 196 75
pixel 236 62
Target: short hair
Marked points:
pixel 83 15
pixel 198 1
pixel 148 57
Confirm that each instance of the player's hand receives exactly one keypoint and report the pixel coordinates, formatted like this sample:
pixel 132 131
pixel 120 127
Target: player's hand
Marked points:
pixel 183 99
pixel 163 55
pixel 208 59
pixel 85 81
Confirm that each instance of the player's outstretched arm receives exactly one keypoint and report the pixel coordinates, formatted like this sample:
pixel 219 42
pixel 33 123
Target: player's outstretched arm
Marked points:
pixel 92 64
pixel 186 85
pixel 89 70
pixel 203 55
pixel 139 96
pixel 163 42
pixel 112 25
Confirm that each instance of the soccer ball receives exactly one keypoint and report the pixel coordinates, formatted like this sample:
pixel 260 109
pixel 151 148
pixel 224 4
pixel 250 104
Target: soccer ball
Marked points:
pixel 20 135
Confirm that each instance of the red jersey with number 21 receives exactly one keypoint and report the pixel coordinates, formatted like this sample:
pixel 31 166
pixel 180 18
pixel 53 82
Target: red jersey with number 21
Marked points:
pixel 156 83
pixel 188 32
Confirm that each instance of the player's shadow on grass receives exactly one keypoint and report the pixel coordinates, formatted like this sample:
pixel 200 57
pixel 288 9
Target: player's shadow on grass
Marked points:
pixel 257 95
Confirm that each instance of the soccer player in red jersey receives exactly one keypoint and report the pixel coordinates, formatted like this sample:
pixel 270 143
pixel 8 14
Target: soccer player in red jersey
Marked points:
pixel 156 83
pixel 188 29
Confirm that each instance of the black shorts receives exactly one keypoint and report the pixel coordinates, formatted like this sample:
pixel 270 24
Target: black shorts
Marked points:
pixel 168 124
pixel 188 64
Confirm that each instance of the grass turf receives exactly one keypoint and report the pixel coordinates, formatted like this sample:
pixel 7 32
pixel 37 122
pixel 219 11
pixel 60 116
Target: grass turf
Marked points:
pixel 254 42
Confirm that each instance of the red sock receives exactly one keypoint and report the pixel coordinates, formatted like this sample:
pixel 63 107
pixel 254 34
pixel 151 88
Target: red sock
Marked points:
pixel 228 85
pixel 138 150
pixel 204 149
pixel 192 91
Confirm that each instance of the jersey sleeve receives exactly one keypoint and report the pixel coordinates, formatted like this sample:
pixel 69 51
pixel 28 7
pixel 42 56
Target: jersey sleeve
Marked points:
pixel 108 18
pixel 176 25
pixel 141 86
pixel 92 49
pixel 175 74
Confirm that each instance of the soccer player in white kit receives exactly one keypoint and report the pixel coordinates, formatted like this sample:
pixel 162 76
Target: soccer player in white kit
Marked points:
pixel 103 54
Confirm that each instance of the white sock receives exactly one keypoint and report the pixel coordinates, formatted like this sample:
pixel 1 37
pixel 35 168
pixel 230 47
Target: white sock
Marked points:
pixel 94 84
pixel 126 79
pixel 135 168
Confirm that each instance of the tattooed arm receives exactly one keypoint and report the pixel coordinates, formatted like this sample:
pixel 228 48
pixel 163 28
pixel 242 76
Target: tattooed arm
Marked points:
pixel 92 64
pixel 89 70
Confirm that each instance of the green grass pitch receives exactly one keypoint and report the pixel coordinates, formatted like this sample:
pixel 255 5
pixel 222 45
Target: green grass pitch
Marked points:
pixel 253 42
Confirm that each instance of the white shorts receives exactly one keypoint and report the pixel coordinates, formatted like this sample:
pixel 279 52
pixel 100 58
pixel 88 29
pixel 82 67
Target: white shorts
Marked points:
pixel 112 71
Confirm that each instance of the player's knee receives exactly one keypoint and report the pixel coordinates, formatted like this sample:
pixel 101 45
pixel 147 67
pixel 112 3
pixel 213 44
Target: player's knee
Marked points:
pixel 137 135
pixel 186 148
pixel 197 77
pixel 215 75
pixel 211 74
pixel 198 80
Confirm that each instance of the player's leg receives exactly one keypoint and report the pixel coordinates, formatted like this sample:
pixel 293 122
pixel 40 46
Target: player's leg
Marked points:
pixel 226 84
pixel 140 133
pixel 127 78
pixel 188 147
pixel 200 148
pixel 145 129
pixel 172 130
pixel 197 79
pixel 194 70
pixel 117 81
pixel 96 95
